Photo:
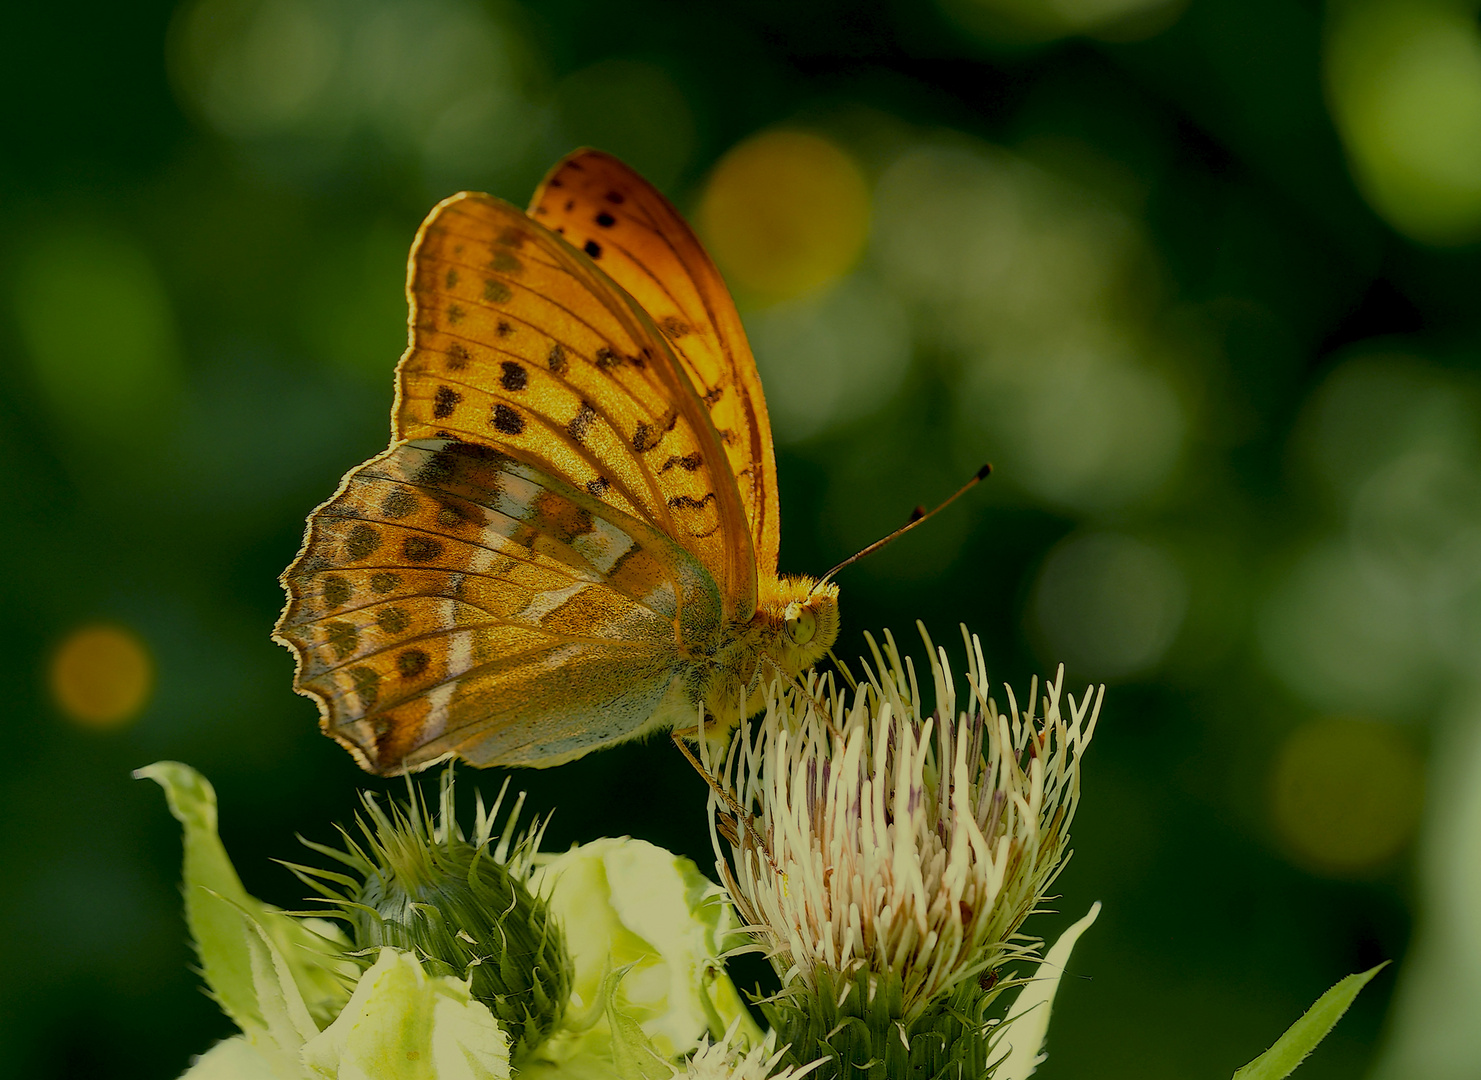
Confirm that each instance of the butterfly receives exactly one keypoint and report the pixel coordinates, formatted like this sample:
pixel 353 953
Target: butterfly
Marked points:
pixel 572 538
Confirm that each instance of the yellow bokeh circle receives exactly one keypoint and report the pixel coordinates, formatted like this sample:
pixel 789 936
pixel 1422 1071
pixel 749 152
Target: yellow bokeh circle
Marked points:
pixel 101 675
pixel 1346 794
pixel 785 213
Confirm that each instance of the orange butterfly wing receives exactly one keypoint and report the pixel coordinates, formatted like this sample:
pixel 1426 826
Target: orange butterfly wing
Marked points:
pixel 451 599
pixel 549 585
pixel 519 342
pixel 601 206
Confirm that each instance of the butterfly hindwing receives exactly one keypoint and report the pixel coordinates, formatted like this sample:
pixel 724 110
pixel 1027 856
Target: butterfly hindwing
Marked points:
pixel 450 598
pixel 601 206
pixel 521 343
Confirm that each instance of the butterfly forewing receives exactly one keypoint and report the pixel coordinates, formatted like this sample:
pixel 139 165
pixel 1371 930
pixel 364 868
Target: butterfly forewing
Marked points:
pixel 519 342
pixel 632 232
pixel 451 598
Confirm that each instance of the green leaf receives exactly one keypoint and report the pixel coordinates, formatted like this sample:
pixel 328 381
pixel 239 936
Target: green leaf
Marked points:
pixel 214 895
pixel 215 902
pixel 1302 1038
pixel 1028 1020
pixel 285 1017
pixel 404 1024
pixel 231 1059
pixel 632 1052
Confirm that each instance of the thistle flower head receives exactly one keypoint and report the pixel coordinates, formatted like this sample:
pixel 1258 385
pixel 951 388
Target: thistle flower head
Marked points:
pixel 874 845
pixel 461 903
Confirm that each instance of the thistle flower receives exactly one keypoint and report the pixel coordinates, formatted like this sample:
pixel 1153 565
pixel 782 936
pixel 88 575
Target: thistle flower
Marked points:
pixel 886 858
pixel 463 905
pixel 728 1059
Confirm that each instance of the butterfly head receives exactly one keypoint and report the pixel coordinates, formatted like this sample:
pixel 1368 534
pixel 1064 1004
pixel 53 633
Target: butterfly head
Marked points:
pixel 805 614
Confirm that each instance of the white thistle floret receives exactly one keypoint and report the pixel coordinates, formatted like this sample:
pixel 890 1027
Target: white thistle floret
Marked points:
pixel 870 835
pixel 727 1059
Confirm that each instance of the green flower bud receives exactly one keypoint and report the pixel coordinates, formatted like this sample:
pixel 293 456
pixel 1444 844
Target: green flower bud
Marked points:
pixel 462 905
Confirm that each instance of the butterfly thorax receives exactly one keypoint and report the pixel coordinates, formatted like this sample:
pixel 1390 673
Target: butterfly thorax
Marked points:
pixel 795 624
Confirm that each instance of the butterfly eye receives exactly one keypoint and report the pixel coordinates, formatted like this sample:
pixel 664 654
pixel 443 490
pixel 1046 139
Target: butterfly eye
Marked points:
pixel 800 624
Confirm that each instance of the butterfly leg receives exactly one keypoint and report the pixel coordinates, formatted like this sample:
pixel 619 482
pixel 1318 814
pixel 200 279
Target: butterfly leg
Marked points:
pixel 739 817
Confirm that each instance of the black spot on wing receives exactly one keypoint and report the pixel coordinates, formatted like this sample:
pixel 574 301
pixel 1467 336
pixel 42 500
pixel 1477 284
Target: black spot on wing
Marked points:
pixel 452 516
pixel 557 361
pixel 605 220
pixel 393 620
pixel 444 401
pixel 513 376
pixel 506 420
pixel 343 637
pixel 436 470
pixel 689 462
pixel 581 423
pixel 647 436
pixel 412 663
pixel 421 548
pixel 399 504
pixel 592 248
pixel 336 591
pixel 362 542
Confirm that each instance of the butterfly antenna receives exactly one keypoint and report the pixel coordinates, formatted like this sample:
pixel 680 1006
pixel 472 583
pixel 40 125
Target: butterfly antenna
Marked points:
pixel 917 516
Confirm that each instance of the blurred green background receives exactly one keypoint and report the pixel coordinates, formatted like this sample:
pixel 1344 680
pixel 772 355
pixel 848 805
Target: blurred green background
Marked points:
pixel 1200 278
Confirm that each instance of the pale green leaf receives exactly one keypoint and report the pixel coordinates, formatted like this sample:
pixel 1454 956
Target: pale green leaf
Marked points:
pixel 632 1052
pixel 221 937
pixel 1028 1020
pixel 231 1059
pixel 630 905
pixel 403 1024
pixel 214 894
pixel 1302 1038
pixel 285 1017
